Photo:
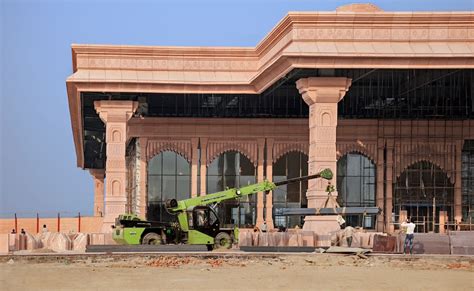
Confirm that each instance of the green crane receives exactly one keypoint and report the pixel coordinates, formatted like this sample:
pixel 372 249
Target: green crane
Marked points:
pixel 197 222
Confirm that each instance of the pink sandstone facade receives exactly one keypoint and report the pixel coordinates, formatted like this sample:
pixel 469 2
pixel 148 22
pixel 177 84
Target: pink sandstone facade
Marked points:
pixel 353 37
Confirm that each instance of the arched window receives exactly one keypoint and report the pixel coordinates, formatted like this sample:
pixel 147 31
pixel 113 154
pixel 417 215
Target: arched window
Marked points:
pixel 421 190
pixel 356 187
pixel 290 165
pixel 232 170
pixel 168 177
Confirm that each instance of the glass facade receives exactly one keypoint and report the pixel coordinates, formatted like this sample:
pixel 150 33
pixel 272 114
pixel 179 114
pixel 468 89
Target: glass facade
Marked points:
pixel 356 187
pixel 468 181
pixel 169 176
pixel 423 190
pixel 291 165
pixel 232 170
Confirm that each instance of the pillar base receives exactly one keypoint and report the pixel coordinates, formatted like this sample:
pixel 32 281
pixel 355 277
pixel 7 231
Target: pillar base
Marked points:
pixel 321 224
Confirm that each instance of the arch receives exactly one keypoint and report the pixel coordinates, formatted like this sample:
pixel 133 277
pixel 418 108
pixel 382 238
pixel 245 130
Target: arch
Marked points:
pixel 116 135
pixel 281 149
pixel 116 187
pixel 168 177
pixel 233 169
pixel 422 189
pixel 183 148
pixel 248 150
pixel 366 150
pixel 407 165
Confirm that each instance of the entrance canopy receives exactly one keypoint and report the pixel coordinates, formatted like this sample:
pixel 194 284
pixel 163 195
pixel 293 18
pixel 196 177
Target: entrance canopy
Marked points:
pixel 356 40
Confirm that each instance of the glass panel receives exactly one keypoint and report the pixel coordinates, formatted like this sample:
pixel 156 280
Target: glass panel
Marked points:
pixel 353 165
pixel 230 182
pixel 183 167
pixel 169 163
pixel 154 165
pixel 247 180
pixel 214 184
pixel 294 168
pixel 231 164
pixel 246 167
pixel 169 187
pixel 293 194
pixel 183 187
pixel 154 188
pixel 213 168
pixel 279 168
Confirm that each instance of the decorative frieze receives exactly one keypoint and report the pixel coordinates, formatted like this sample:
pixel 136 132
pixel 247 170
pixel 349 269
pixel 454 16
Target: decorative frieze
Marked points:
pixel 247 147
pixel 180 146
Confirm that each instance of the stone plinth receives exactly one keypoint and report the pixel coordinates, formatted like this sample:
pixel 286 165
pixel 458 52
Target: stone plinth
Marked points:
pixel 322 95
pixel 115 115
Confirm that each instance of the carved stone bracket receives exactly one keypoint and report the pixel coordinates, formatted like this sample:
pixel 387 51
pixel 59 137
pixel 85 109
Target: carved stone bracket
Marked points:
pixel 247 147
pixel 182 147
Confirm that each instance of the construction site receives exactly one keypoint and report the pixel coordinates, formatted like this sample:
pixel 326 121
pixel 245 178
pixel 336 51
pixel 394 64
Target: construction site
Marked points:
pixel 341 145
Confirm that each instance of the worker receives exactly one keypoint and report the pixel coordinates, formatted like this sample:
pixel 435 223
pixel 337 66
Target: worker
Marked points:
pixel 13 231
pixel 410 230
pixel 348 233
pixel 23 231
pixel 44 229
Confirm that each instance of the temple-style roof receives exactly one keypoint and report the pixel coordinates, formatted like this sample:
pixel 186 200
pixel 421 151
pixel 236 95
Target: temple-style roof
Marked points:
pixel 353 36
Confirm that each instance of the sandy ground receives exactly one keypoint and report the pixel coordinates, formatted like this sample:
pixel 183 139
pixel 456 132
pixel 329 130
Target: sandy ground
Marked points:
pixel 282 272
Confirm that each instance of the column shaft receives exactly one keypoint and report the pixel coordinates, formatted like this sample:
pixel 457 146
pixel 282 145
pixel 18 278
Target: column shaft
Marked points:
pixel 269 197
pixel 322 95
pixel 115 115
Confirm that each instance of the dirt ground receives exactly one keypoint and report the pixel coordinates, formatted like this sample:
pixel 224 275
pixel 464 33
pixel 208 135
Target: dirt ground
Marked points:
pixel 281 272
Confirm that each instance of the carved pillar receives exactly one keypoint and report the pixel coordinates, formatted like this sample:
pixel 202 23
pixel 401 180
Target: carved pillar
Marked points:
pixel 203 166
pixel 115 115
pixel 458 183
pixel 380 184
pixel 143 178
pixel 322 95
pixel 98 175
pixel 260 161
pixel 269 197
pixel 194 166
pixel 389 187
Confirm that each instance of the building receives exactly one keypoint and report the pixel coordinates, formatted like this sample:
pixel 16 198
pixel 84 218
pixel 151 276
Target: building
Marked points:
pixel 386 98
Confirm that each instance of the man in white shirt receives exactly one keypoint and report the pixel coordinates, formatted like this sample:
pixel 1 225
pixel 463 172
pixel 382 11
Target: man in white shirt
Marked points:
pixel 410 230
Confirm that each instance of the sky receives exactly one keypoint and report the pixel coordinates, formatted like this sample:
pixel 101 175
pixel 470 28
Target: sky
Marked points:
pixel 38 172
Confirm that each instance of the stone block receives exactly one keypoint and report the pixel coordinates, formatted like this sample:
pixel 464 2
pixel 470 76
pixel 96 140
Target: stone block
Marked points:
pixel 263 239
pixel 4 243
pixel 307 238
pixel 323 240
pixel 13 242
pixel 245 239
pixel 293 239
pixel 97 239
pixel 32 242
pixel 80 242
pixel 462 242
pixel 281 239
pixel 22 242
pixel 59 242
pixel 384 244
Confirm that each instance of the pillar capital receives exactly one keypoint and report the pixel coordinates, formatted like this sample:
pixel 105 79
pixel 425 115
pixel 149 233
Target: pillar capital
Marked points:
pixel 115 110
pixel 323 89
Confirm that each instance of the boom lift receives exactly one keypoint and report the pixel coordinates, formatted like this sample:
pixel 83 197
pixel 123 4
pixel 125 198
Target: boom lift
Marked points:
pixel 197 222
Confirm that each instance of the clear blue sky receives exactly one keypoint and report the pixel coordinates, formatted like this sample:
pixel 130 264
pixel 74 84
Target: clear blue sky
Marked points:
pixel 38 165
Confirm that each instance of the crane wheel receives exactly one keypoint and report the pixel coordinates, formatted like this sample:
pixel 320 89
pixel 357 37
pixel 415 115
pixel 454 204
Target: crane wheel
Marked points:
pixel 222 241
pixel 152 239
